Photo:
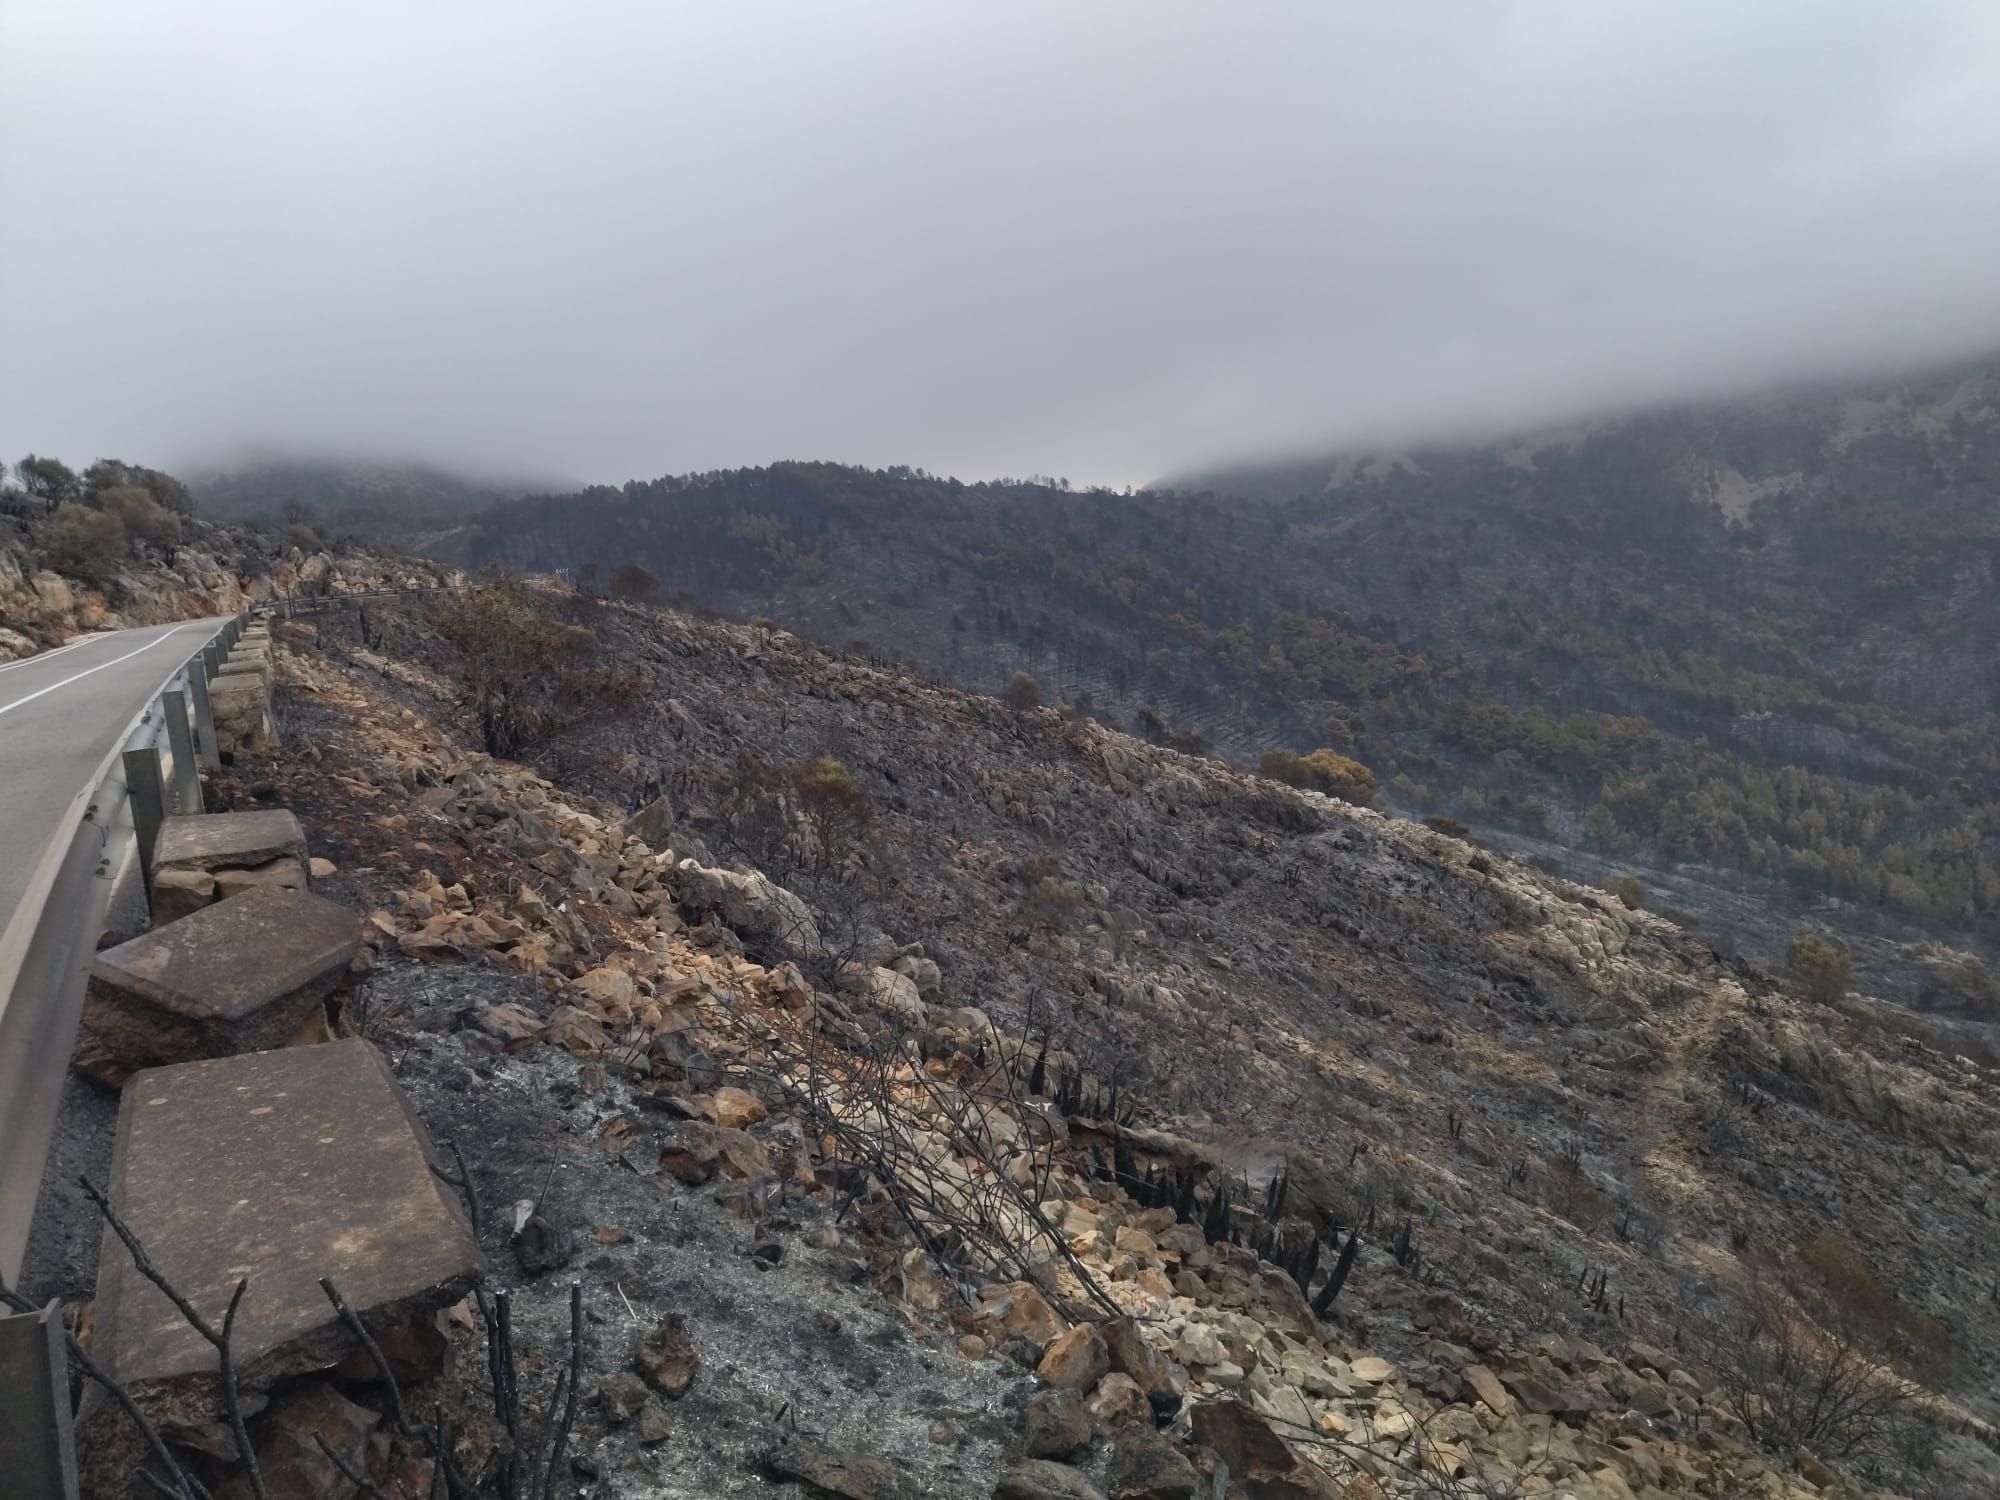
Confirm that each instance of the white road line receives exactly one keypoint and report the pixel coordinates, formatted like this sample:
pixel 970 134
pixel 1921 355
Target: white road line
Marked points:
pixel 7 708
pixel 42 656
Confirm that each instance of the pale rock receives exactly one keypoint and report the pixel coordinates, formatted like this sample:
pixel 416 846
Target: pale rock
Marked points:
pixel 749 905
pixel 922 972
pixel 1200 1345
pixel 1134 1242
pixel 737 1109
pixel 1077 1360
pixel 1118 1401
pixel 1371 1370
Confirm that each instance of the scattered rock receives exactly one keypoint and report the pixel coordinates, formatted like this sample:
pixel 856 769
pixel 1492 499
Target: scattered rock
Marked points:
pixel 1371 1370
pixel 1146 1466
pixel 667 1358
pixel 541 1245
pixel 621 1395
pixel 289 1455
pixel 833 1471
pixel 1247 1442
pixel 1156 1375
pixel 1021 1350
pixel 1057 1424
pixel 751 906
pixel 1077 1360
pixel 737 1109
pixel 1487 1387
pixel 1117 1402
pixel 656 1424
pixel 1039 1479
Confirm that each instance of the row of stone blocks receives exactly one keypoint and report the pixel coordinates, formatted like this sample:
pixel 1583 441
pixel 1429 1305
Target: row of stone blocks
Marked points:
pixel 251 1146
pixel 240 697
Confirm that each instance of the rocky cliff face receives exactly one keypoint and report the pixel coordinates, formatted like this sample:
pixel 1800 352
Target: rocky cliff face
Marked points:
pixel 1568 1146
pixel 222 570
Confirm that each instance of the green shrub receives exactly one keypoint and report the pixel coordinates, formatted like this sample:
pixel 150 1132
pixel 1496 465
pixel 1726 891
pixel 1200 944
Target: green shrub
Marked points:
pixel 49 480
pixel 1322 771
pixel 143 517
pixel 82 542
pixel 1821 966
pixel 833 803
pixel 1629 889
pixel 1023 693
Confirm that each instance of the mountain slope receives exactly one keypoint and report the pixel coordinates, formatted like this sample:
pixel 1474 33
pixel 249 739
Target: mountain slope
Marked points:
pixel 1746 652
pixel 1545 1112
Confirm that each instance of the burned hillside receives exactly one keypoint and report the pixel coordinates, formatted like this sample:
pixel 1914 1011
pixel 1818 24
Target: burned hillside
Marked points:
pixel 1521 1109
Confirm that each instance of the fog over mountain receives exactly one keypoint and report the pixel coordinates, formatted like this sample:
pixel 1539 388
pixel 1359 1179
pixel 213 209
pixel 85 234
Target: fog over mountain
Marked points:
pixel 1109 241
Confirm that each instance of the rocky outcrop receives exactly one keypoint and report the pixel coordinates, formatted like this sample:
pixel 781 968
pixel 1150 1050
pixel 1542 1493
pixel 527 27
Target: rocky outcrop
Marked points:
pixel 750 905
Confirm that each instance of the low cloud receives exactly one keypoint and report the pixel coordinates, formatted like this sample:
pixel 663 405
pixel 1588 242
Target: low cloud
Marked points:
pixel 1106 240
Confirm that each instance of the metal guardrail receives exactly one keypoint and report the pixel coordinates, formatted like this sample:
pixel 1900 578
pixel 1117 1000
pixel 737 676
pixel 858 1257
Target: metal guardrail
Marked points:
pixel 45 955
pixel 46 948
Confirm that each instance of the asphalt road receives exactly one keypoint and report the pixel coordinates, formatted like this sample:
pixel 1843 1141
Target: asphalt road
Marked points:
pixel 61 714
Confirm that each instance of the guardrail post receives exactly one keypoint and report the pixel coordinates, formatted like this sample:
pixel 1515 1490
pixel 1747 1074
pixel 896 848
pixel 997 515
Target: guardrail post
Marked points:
pixel 148 791
pixel 208 753
pixel 187 776
pixel 37 1448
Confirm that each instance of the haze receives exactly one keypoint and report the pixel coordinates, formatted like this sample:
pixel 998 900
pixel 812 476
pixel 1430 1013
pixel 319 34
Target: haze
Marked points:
pixel 1106 240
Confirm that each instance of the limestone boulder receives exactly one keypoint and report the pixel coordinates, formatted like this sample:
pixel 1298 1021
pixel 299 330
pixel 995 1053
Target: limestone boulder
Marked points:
pixel 749 905
pixel 1077 1360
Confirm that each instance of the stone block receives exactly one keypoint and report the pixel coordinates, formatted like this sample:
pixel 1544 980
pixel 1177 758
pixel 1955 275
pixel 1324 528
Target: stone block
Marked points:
pixel 242 668
pixel 277 1168
pixel 238 976
pixel 211 841
pixel 180 893
pixel 242 710
pixel 284 874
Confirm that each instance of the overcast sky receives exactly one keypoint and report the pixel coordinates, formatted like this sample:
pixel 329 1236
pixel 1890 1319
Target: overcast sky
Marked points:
pixel 1107 240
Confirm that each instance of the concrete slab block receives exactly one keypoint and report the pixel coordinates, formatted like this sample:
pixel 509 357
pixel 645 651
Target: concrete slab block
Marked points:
pixel 278 1168
pixel 239 976
pixel 211 841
